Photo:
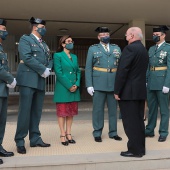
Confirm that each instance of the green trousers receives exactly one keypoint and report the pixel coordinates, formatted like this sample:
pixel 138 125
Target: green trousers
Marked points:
pixel 99 99
pixel 156 98
pixel 29 115
pixel 3 116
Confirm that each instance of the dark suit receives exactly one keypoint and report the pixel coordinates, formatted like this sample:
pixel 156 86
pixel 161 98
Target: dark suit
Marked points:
pixel 130 85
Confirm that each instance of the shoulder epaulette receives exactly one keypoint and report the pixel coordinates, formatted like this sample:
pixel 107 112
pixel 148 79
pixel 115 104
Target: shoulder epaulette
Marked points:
pixel 26 34
pixel 94 45
pixel 167 43
pixel 114 44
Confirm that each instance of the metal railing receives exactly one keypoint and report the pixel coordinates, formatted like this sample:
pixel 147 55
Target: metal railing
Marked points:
pixel 49 89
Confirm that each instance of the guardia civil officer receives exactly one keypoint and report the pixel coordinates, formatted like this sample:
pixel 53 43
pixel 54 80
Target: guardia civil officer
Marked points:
pixel 158 84
pixel 35 65
pixel 100 71
pixel 6 81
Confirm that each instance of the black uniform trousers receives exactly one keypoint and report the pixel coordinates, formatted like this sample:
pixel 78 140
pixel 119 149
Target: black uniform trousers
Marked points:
pixel 132 117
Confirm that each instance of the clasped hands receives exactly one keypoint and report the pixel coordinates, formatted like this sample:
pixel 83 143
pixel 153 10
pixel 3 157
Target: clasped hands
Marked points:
pixel 73 88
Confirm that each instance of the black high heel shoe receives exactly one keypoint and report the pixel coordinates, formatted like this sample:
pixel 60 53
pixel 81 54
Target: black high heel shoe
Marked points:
pixel 72 141
pixel 64 143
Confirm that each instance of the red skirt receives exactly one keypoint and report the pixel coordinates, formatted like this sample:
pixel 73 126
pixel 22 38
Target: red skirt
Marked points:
pixel 67 109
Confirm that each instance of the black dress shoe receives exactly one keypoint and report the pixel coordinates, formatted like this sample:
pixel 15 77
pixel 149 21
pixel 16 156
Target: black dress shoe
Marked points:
pixel 162 139
pixel 42 144
pixel 72 141
pixel 151 136
pixel 129 154
pixel 4 153
pixel 98 139
pixel 116 137
pixel 21 149
pixel 1 161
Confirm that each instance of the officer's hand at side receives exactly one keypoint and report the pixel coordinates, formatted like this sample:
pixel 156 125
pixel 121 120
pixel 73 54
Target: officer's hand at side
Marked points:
pixel 13 84
pixel 90 90
pixel 117 97
pixel 165 89
pixel 46 73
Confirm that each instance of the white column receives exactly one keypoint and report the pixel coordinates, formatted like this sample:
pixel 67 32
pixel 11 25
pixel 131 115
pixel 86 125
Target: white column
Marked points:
pixel 141 25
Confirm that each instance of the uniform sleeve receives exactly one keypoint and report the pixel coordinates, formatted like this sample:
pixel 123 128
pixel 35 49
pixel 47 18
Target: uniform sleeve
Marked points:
pixel 123 69
pixel 5 76
pixel 25 52
pixel 167 78
pixel 89 68
pixel 59 73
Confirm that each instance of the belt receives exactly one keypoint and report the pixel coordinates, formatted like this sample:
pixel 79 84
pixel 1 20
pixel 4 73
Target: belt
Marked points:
pixel 21 61
pixel 109 70
pixel 152 68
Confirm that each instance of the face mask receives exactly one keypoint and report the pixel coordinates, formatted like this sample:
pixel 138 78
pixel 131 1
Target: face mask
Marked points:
pixel 41 31
pixel 126 42
pixel 105 40
pixel 69 46
pixel 3 34
pixel 156 38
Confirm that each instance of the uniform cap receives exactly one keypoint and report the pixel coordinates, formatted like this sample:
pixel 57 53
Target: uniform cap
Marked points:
pixel 162 28
pixel 37 21
pixel 102 29
pixel 3 22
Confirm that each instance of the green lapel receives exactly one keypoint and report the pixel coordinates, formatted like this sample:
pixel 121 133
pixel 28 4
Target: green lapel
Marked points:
pixel 36 41
pixel 72 63
pixel 102 49
pixel 161 47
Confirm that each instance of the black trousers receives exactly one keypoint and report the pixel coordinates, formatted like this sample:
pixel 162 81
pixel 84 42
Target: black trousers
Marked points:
pixel 132 117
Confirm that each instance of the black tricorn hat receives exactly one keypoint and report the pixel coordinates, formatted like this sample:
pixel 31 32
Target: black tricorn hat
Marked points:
pixel 37 21
pixel 102 29
pixel 162 28
pixel 3 22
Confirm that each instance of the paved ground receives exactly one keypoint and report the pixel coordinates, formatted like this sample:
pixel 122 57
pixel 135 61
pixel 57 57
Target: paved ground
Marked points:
pixel 85 151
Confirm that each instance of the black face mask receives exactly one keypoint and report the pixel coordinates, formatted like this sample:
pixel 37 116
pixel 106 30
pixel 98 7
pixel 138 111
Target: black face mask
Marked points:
pixel 126 42
pixel 156 38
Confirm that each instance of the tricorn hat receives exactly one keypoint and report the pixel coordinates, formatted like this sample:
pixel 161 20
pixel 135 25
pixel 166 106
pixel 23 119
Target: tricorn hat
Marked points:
pixel 37 21
pixel 162 28
pixel 3 22
pixel 102 29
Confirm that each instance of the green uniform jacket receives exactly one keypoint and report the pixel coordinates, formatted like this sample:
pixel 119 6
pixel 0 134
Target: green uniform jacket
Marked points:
pixel 5 75
pixel 157 79
pixel 36 58
pixel 98 57
pixel 67 74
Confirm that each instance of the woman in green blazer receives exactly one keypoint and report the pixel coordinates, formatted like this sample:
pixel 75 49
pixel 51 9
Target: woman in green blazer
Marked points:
pixel 66 94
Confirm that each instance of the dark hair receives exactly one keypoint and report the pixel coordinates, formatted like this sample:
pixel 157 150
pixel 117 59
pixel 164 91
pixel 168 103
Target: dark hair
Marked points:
pixel 61 41
pixel 31 26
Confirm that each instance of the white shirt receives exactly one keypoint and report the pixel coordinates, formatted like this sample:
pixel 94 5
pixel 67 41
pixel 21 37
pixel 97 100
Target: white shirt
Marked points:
pixel 36 37
pixel 107 45
pixel 160 44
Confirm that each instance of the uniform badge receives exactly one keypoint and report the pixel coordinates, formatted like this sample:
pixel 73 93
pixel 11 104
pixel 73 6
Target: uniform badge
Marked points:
pixel 163 54
pixel 3 61
pixel 160 61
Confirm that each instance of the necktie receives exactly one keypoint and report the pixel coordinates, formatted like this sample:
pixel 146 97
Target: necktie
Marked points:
pixel 156 48
pixel 105 47
pixel 40 40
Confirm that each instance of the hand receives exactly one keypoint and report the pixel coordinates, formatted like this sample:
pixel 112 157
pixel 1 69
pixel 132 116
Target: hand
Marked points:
pixel 165 89
pixel 13 84
pixel 117 97
pixel 46 73
pixel 90 90
pixel 73 88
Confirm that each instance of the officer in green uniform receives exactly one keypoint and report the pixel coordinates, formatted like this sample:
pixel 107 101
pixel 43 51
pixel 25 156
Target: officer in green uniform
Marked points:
pixel 158 84
pixel 6 81
pixel 35 65
pixel 101 65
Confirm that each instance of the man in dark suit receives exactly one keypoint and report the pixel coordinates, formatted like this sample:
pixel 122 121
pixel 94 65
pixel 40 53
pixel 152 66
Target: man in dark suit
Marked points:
pixel 35 65
pixel 130 91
